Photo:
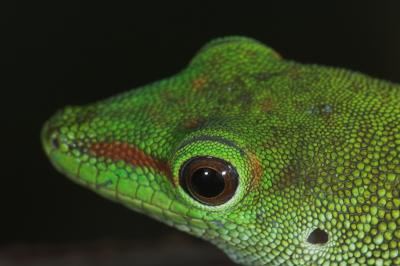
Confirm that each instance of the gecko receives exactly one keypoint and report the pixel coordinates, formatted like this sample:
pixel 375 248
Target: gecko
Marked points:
pixel 273 161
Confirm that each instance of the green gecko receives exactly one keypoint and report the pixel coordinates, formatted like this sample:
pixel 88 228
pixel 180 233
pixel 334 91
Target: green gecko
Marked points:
pixel 274 162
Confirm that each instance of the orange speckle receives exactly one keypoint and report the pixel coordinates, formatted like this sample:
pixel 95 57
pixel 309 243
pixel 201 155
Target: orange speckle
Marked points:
pixel 267 105
pixel 193 123
pixel 199 83
pixel 256 169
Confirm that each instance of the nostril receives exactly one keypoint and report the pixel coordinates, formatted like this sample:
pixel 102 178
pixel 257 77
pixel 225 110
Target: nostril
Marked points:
pixel 318 236
pixel 55 142
pixel 50 137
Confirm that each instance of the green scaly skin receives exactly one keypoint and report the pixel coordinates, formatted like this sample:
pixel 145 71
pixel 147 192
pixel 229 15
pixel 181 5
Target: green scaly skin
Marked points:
pixel 314 147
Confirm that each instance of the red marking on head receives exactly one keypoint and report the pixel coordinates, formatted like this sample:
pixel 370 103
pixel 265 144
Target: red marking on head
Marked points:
pixel 132 155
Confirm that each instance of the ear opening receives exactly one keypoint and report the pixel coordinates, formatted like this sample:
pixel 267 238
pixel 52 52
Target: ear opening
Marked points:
pixel 318 236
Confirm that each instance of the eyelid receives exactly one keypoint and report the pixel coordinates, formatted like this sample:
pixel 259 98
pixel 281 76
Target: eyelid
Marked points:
pixel 218 139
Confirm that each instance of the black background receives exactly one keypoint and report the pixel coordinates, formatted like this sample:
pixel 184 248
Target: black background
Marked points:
pixel 74 53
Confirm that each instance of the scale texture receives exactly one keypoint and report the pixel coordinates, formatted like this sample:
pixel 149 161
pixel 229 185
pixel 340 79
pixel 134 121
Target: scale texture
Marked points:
pixel 316 151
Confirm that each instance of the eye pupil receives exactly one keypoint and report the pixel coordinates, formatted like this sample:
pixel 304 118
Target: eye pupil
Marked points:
pixel 208 182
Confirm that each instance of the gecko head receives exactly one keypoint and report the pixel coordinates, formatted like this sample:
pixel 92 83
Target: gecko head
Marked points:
pixel 180 150
pixel 222 152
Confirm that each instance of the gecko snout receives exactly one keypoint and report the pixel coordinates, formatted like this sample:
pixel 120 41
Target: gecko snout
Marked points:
pixel 55 133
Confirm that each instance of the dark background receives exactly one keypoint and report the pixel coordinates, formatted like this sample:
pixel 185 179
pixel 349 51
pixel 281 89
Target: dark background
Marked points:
pixel 76 53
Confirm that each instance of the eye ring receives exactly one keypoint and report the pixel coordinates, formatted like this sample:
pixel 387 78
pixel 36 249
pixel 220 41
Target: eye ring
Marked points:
pixel 209 180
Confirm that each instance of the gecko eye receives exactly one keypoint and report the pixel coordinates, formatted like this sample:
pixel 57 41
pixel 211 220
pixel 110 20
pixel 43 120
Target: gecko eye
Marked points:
pixel 209 180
